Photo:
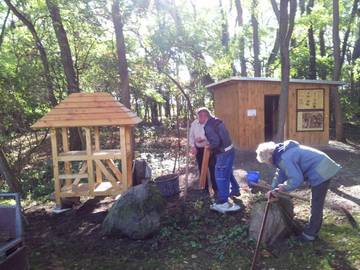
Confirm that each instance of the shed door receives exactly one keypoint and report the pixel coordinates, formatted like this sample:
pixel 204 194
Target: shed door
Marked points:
pixel 271 105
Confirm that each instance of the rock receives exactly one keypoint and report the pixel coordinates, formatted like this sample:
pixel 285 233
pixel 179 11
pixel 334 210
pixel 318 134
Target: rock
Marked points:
pixel 136 213
pixel 279 223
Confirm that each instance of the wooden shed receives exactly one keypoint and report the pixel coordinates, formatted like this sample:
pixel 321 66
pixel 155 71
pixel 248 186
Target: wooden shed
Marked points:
pixel 91 172
pixel 249 108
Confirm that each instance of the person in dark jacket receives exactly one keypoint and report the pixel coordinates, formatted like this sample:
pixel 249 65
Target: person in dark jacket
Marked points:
pixel 295 164
pixel 221 145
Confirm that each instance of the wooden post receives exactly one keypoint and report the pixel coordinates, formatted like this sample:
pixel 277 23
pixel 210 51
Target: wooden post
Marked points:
pixel 124 159
pixel 97 148
pixel 204 167
pixel 90 164
pixel 57 183
pixel 129 155
pixel 65 143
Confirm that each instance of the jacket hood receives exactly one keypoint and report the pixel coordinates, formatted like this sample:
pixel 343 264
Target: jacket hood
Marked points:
pixel 281 148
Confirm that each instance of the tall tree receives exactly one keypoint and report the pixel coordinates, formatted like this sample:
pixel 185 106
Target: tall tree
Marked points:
pixel 7 173
pixel 76 141
pixel 322 68
pixel 285 31
pixel 122 65
pixel 40 47
pixel 240 21
pixel 65 51
pixel 275 50
pixel 256 39
pixel 311 43
pixel 3 28
pixel 336 73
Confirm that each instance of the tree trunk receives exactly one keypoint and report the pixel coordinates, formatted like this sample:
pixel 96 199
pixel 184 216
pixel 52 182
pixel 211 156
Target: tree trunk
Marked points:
pixel 68 65
pixel 40 48
pixel 311 43
pixel 10 178
pixel 240 20
pixel 124 88
pixel 65 52
pixel 3 28
pixel 285 31
pixel 322 68
pixel 273 55
pixel 336 73
pixel 256 41
pixel 276 47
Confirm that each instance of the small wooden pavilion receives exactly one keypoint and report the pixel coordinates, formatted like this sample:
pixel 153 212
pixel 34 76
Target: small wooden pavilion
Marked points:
pixel 249 108
pixel 96 172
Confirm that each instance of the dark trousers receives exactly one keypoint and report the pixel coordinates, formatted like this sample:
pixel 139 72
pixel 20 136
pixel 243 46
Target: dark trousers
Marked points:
pixel 318 194
pixel 212 161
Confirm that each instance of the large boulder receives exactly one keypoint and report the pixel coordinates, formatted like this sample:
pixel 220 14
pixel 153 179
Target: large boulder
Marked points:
pixel 136 213
pixel 279 223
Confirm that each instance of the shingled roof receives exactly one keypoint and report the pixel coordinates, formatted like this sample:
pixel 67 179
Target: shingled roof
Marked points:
pixel 88 110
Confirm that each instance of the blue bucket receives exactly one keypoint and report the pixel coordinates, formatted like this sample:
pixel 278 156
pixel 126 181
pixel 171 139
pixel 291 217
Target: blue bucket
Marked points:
pixel 252 177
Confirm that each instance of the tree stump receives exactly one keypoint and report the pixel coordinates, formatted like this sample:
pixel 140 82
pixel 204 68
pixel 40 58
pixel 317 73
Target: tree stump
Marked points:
pixel 279 224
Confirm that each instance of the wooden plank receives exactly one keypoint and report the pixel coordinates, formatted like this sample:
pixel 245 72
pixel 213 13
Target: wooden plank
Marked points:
pixel 204 167
pixel 43 123
pixel 97 148
pixel 82 94
pixel 90 161
pixel 84 116
pixel 124 160
pixel 114 169
pixel 81 172
pixel 58 111
pixel 89 99
pixel 103 169
pixel 89 104
pixel 108 154
pixel 54 152
pixel 73 156
pixel 65 144
pixel 82 155
pixel 72 176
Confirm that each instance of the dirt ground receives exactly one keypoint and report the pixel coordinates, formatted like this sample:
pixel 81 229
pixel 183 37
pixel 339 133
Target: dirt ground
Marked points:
pixel 192 236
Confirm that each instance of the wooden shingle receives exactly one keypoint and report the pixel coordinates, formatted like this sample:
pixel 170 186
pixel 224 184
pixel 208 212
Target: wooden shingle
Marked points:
pixel 88 110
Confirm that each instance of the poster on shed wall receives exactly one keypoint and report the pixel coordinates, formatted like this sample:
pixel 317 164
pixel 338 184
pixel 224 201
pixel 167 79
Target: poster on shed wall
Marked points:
pixel 310 109
pixel 310 99
pixel 310 121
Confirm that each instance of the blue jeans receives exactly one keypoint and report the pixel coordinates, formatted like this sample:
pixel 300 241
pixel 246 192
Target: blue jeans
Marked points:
pixel 224 176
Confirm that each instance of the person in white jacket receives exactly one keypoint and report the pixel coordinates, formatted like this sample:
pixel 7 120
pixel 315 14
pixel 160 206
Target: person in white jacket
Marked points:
pixel 198 142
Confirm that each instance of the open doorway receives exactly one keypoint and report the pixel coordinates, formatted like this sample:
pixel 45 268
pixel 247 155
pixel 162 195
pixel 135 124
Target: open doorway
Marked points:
pixel 271 104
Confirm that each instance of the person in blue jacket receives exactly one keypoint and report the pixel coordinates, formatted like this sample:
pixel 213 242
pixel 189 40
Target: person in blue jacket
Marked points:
pixel 222 147
pixel 295 164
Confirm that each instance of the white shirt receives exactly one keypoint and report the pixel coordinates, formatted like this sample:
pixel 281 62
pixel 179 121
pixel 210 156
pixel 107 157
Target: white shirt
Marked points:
pixel 197 133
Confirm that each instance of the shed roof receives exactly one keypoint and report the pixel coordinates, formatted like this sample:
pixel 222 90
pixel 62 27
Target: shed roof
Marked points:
pixel 261 79
pixel 88 110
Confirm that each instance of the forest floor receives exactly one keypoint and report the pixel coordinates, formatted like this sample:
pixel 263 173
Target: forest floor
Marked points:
pixel 192 236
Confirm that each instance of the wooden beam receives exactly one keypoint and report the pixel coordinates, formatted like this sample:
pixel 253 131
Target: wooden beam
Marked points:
pixel 97 148
pixel 204 167
pixel 124 160
pixel 114 169
pixel 129 155
pixel 54 152
pixel 106 173
pixel 65 144
pixel 90 164
pixel 81 155
pixel 81 172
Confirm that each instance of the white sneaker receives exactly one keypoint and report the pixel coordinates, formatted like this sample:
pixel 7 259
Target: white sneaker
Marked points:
pixel 225 207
